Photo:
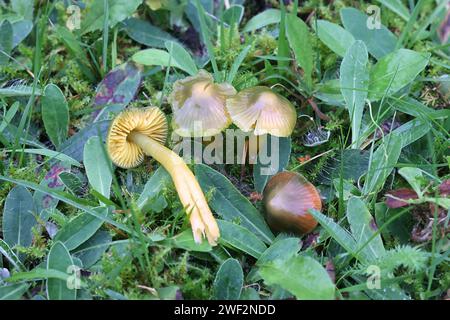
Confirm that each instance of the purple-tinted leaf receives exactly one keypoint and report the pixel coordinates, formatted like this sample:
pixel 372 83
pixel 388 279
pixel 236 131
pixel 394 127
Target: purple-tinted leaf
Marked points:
pixel 51 180
pixel 4 273
pixel 444 28
pixel 401 194
pixel 444 188
pixel 51 228
pixel 119 86
pixel 74 146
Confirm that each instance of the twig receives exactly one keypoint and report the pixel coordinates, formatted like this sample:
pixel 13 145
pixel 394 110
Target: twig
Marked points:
pixel 316 109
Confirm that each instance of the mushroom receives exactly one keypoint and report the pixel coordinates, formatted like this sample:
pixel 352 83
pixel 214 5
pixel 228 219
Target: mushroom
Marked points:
pixel 198 106
pixel 287 198
pixel 138 132
pixel 262 110
pixel 265 112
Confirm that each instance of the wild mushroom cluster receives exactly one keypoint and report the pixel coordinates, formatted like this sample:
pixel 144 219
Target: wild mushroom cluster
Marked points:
pixel 203 108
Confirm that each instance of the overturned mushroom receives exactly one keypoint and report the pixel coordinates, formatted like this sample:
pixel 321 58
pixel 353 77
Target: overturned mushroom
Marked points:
pixel 198 106
pixel 138 132
pixel 287 198
pixel 262 110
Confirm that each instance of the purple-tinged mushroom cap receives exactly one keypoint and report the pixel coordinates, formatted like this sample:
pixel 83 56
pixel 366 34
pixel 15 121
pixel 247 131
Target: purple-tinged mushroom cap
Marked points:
pixel 198 106
pixel 262 110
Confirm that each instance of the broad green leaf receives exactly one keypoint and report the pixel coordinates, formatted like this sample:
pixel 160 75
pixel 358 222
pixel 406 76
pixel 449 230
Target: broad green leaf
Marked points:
pixel 156 57
pixel 334 36
pixel 329 92
pixel 24 8
pixel 51 180
pixel 379 42
pixel 233 15
pixel 414 177
pixel 394 71
pixel 71 182
pixel 249 293
pixel 349 164
pixel 354 78
pixel 282 153
pixel 398 7
pixel 265 18
pixel 411 131
pixel 59 259
pixel 13 291
pixel 185 240
pixel 280 250
pixel 303 276
pixel 11 256
pixel 220 254
pixel 230 204
pixel 182 57
pixel 70 200
pixel 229 281
pixel 98 166
pixel 92 249
pixel 347 187
pixel 363 227
pixel 74 146
pixel 400 228
pixel 6 41
pixel 7 118
pixel 152 189
pixel 18 217
pixel 240 238
pixel 40 274
pixel 55 114
pixel 300 41
pixel 80 229
pixel 382 163
pixel 145 33
pixel 339 234
pixel 119 87
pixel 21 29
pixel 118 11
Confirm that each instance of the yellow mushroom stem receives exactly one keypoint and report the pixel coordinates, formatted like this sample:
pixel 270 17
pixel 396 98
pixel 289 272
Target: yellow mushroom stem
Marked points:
pixel 189 191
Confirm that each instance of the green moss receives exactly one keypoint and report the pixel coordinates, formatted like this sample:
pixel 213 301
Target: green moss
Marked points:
pixel 32 172
pixel 167 268
pixel 38 248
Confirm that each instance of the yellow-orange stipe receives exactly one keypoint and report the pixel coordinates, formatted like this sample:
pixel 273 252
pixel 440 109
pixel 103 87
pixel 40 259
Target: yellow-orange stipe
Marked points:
pixel 138 132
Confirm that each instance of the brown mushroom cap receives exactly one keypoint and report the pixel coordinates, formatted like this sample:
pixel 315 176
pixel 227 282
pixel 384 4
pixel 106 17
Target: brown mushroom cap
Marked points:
pixel 287 198
pixel 198 106
pixel 149 121
pixel 262 110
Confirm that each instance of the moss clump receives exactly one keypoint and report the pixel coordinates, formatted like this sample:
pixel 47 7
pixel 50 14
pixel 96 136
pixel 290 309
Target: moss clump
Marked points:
pixel 167 267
